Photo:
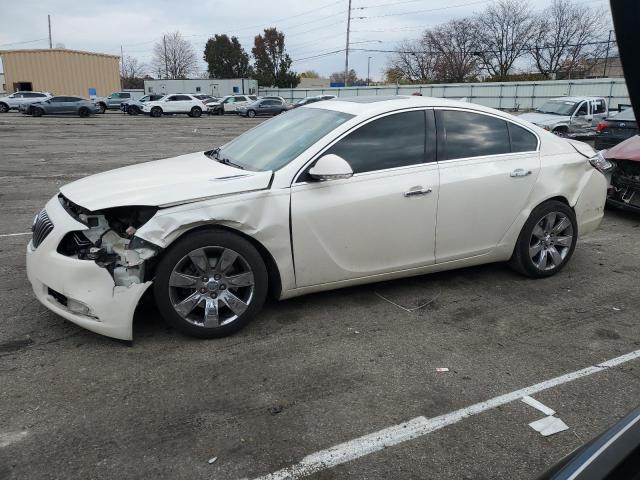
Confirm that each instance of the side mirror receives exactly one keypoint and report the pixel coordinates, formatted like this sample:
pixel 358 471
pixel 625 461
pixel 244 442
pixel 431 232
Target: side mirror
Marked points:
pixel 331 167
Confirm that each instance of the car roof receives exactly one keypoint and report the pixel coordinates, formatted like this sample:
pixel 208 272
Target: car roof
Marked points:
pixel 575 99
pixel 380 104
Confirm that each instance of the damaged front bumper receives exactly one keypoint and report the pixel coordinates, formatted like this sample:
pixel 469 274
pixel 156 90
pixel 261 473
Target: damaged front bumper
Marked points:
pixel 81 291
pixel 624 190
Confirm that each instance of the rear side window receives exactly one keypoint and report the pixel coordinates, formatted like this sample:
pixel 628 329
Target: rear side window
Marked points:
pixel 181 97
pixel 521 140
pixel 598 106
pixel 73 99
pixel 469 134
pixel 393 141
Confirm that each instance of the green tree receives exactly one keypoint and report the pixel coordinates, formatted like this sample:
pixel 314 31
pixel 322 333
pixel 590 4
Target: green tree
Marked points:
pixel 272 62
pixel 310 74
pixel 226 58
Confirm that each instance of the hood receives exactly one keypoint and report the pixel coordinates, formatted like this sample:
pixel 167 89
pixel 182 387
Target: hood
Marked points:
pixel 163 182
pixel 627 150
pixel 542 119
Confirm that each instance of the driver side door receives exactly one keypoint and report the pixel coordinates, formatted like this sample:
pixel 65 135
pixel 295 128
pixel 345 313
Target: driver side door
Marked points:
pixel 380 220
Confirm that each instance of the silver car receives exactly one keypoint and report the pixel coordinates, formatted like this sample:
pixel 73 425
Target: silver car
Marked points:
pixel 63 105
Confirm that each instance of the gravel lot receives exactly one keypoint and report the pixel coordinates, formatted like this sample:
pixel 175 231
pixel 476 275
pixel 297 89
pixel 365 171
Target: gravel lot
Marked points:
pixel 311 372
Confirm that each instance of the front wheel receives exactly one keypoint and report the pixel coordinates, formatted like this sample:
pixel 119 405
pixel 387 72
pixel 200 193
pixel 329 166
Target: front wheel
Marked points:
pixel 37 112
pixel 210 284
pixel 251 114
pixel 102 107
pixel 84 112
pixel 156 112
pixel 4 108
pixel 547 240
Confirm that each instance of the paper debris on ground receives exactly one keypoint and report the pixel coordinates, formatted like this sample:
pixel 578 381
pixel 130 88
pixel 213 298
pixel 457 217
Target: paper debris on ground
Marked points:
pixel 442 369
pixel 536 404
pixel 549 426
pixel 212 459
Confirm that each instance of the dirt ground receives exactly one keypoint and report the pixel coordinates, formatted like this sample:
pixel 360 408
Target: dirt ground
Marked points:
pixel 309 373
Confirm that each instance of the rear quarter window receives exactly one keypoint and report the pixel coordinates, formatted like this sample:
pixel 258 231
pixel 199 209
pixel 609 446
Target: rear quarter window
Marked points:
pixel 522 140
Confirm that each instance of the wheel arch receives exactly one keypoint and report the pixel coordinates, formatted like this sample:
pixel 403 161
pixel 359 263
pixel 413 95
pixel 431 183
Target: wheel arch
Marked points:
pixel 273 272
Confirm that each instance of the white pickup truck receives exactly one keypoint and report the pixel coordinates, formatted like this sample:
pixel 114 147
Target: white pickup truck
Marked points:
pixel 569 116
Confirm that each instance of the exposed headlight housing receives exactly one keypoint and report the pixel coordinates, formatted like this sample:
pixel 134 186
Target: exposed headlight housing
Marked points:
pixel 600 163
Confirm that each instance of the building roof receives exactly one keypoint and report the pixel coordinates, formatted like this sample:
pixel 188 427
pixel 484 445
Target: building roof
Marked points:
pixel 64 50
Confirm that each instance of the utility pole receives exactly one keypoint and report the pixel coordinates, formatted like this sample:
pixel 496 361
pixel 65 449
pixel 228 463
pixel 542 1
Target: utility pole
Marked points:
pixel 121 62
pixel 346 56
pixel 368 69
pixel 166 64
pixel 606 57
pixel 49 20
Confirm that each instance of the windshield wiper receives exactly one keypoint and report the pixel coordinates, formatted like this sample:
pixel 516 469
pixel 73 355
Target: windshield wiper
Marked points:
pixel 226 161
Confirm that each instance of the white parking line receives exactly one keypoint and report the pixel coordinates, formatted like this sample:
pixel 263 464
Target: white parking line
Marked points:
pixel 420 426
pixel 14 234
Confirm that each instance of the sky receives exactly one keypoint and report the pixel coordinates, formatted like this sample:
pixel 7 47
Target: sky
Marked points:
pixel 312 28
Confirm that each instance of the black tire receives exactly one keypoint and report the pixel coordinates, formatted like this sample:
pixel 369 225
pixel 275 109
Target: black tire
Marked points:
pixel 522 260
pixel 84 112
pixel 102 107
pixel 177 254
pixel 195 112
pixel 219 111
pixel 4 108
pixel 37 112
pixel 561 132
pixel 133 110
pixel 251 113
pixel 156 112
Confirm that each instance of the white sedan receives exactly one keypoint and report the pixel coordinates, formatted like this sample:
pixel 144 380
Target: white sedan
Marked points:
pixel 328 195
pixel 172 104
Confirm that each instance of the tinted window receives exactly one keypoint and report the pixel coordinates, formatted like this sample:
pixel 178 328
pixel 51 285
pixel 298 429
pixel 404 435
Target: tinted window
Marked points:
pixel 31 95
pixel 198 89
pixel 268 103
pixel 598 106
pixel 521 139
pixel 470 134
pixel 240 99
pixel 181 97
pixel 58 99
pixel 392 141
pixel 73 99
pixel 583 109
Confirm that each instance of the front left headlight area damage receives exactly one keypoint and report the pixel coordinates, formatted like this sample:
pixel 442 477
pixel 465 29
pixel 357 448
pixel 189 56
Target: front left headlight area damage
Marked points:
pixel 109 240
pixel 89 267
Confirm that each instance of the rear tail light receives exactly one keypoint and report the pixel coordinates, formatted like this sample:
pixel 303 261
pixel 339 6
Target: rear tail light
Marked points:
pixel 601 126
pixel 600 163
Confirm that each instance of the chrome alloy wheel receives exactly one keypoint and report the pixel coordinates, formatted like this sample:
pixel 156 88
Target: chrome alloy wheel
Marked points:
pixel 551 241
pixel 211 286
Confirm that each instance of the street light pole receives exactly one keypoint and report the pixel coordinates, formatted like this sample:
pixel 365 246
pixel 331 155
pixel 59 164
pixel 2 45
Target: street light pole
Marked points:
pixel 368 69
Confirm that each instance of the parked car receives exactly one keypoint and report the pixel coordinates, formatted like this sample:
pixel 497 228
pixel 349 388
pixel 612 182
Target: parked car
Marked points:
pixel 569 116
pixel 13 101
pixel 172 104
pixel 308 100
pixel 361 190
pixel 610 456
pixel 64 105
pixel 205 98
pixel 134 107
pixel 615 129
pixel 231 103
pixel 624 189
pixel 113 101
pixel 264 106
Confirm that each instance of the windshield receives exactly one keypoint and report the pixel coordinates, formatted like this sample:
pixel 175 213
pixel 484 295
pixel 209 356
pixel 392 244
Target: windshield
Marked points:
pixel 558 107
pixel 276 142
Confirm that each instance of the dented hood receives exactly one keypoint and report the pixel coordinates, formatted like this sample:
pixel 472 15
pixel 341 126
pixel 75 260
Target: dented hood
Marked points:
pixel 543 119
pixel 163 182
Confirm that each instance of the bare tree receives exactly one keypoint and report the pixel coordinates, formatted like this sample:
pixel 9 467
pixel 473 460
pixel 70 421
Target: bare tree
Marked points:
pixel 453 44
pixel 413 61
pixel 502 33
pixel 132 72
pixel 566 37
pixel 174 57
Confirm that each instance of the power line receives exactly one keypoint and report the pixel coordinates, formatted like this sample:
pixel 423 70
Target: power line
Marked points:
pixel 22 43
pixel 426 10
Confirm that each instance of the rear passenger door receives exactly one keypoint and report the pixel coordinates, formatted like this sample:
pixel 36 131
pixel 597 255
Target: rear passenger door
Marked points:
pixel 488 167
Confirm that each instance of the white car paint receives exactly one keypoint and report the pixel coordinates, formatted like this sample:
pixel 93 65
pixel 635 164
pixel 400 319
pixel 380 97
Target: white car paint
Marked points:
pixel 14 100
pixel 343 232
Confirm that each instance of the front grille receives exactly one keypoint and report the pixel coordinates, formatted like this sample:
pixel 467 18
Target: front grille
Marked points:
pixel 42 226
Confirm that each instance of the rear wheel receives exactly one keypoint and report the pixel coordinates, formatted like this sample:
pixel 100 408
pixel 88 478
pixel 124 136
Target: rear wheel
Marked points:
pixel 156 112
pixel 547 240
pixel 195 112
pixel 4 108
pixel 210 284
pixel 251 114
pixel 560 132
pixel 84 112
pixel 37 112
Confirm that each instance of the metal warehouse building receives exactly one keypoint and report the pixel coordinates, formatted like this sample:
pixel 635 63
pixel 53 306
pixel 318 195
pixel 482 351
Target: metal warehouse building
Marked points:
pixel 217 87
pixel 61 71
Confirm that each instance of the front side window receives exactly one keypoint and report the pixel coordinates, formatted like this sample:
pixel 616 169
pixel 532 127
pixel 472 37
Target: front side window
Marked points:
pixel 125 95
pixel 582 110
pixel 469 134
pixel 392 141
pixel 171 99
pixel 179 98
pixel 276 142
pixel 58 99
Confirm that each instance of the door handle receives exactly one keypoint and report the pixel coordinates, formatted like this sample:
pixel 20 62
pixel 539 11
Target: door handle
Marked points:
pixel 417 191
pixel 519 172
